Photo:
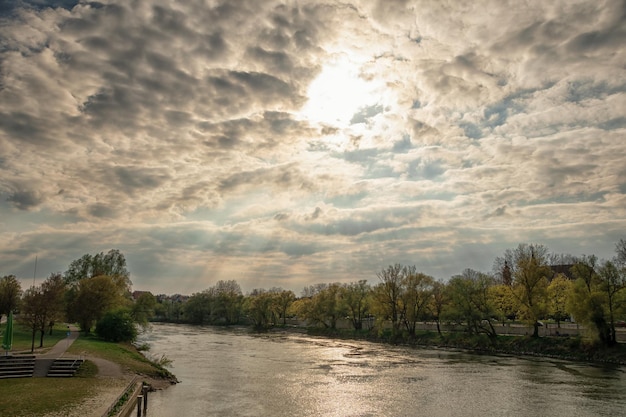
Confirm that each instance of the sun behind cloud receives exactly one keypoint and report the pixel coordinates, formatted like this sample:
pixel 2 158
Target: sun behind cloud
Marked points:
pixel 339 92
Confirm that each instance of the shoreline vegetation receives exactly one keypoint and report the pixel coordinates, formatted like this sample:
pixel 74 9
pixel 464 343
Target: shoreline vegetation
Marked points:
pixel 575 349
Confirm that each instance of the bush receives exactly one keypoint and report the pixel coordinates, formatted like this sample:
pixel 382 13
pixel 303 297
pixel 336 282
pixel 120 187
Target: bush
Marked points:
pixel 117 326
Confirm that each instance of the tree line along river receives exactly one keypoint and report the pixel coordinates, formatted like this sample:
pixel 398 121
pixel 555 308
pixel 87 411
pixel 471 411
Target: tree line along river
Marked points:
pixel 232 372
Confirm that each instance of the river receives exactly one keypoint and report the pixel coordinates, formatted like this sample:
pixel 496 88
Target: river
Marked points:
pixel 233 372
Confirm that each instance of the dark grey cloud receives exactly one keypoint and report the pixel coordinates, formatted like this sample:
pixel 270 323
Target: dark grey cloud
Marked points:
pixel 102 211
pixel 11 6
pixel 26 128
pixel 25 199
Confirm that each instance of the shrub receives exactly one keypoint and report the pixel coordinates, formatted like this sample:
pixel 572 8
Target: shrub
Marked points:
pixel 117 326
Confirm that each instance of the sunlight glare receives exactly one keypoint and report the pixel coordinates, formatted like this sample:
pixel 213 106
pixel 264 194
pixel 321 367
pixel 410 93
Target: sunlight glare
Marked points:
pixel 338 93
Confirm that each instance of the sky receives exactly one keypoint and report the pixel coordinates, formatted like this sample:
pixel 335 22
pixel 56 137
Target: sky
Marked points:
pixel 290 143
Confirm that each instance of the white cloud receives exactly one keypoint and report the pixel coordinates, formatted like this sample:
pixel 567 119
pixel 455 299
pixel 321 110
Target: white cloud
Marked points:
pixel 175 132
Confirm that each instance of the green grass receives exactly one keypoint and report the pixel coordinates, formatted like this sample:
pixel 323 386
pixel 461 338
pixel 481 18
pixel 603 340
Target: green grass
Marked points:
pixel 39 396
pixel 22 338
pixel 124 354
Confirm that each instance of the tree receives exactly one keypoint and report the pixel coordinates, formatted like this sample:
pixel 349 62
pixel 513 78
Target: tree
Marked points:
pixel 612 281
pixel 41 305
pixel 558 291
pixel 415 297
pixel 589 297
pixel 387 295
pixel 93 297
pixel 530 282
pixel 10 293
pixel 96 284
pixel 226 303
pixel 197 309
pixel 355 297
pixel 112 264
pixel 143 308
pixel 54 298
pixel 438 301
pixel 262 308
pixel 169 308
pixel 325 307
pixel 620 253
pixel 117 326
pixel 504 302
pixel 470 302
pixel 283 299
pixel 31 312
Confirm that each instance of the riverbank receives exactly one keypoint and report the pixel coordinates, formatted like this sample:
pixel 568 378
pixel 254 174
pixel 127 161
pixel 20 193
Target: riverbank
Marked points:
pixel 566 348
pixel 118 364
pixel 106 372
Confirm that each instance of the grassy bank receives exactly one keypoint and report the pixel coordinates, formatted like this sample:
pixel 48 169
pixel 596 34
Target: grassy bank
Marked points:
pixel 124 354
pixel 567 348
pixel 40 396
pixel 22 338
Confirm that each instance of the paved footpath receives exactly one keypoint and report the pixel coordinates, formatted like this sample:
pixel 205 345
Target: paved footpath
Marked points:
pixel 113 380
pixel 62 345
pixel 105 368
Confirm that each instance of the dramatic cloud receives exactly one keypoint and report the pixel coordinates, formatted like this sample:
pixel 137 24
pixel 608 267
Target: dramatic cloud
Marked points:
pixel 284 143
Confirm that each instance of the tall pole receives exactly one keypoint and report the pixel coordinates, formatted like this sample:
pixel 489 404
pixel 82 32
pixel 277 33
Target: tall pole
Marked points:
pixel 35 273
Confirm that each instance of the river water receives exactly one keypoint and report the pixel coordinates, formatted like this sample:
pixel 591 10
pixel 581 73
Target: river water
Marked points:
pixel 233 372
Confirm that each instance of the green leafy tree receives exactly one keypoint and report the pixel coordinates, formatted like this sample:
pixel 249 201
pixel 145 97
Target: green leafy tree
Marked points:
pixel 112 264
pixel 226 302
pixel 197 309
pixel 54 297
pixel 10 294
pixel 594 295
pixel 262 308
pixel 32 312
pixel 386 296
pixel 505 303
pixel 96 284
pixel 143 308
pixel 94 297
pixel 117 326
pixel 471 303
pixel 415 297
pixel 324 307
pixel 356 298
pixel 530 282
pixel 43 305
pixel 169 308
pixel 612 282
pixel 283 300
pixel 558 291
